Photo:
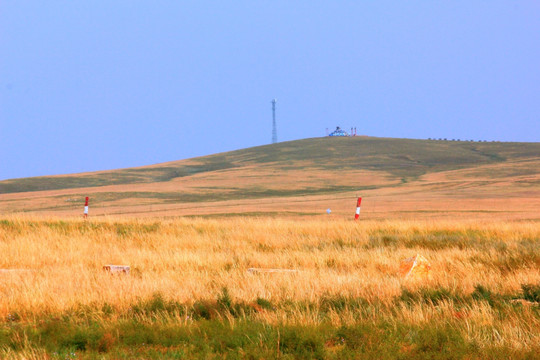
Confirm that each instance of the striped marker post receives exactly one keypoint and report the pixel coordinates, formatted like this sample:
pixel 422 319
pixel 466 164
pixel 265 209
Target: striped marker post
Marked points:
pixel 85 215
pixel 357 215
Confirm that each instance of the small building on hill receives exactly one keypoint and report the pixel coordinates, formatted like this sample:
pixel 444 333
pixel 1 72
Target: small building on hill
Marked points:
pixel 339 132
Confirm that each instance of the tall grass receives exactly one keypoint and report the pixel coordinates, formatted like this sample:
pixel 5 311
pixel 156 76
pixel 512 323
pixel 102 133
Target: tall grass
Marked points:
pixel 185 272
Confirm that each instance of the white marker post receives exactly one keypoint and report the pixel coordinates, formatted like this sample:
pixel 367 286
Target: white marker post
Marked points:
pixel 85 215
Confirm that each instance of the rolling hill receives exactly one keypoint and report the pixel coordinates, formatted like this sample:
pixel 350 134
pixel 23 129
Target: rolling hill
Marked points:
pixel 397 178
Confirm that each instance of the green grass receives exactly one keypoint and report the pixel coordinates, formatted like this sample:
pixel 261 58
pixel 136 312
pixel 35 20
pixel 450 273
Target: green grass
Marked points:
pixel 254 214
pixel 115 177
pixel 158 328
pixel 220 194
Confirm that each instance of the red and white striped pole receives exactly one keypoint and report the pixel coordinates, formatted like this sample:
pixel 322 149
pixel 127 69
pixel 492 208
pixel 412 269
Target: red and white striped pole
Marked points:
pixel 357 215
pixel 85 215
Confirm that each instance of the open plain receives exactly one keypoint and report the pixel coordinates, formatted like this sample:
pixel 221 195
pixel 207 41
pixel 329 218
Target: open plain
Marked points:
pixel 190 231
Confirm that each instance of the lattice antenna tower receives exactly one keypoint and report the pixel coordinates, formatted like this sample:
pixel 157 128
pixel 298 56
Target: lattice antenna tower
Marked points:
pixel 274 128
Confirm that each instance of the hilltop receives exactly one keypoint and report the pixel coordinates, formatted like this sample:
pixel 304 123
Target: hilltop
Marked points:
pixel 297 177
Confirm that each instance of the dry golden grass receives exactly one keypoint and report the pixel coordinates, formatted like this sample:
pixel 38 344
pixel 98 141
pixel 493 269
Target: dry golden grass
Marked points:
pixel 506 191
pixel 193 258
pixel 478 226
pixel 187 260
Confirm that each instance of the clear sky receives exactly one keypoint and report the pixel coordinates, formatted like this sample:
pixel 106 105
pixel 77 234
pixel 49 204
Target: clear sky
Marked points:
pixel 101 84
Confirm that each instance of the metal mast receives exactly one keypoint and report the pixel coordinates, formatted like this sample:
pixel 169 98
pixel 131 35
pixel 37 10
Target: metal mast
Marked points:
pixel 274 129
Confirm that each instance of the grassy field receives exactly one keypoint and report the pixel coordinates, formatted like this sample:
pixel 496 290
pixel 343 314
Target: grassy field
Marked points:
pixel 190 294
pixel 190 230
pixel 301 177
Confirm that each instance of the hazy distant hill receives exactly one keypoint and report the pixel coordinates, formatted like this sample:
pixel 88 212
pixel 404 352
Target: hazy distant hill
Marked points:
pixel 299 177
pixel 403 158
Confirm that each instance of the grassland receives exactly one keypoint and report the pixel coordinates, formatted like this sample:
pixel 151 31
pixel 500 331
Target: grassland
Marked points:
pixel 191 229
pixel 299 177
pixel 189 294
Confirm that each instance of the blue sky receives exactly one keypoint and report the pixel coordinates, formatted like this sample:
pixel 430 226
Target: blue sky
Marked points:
pixel 95 85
